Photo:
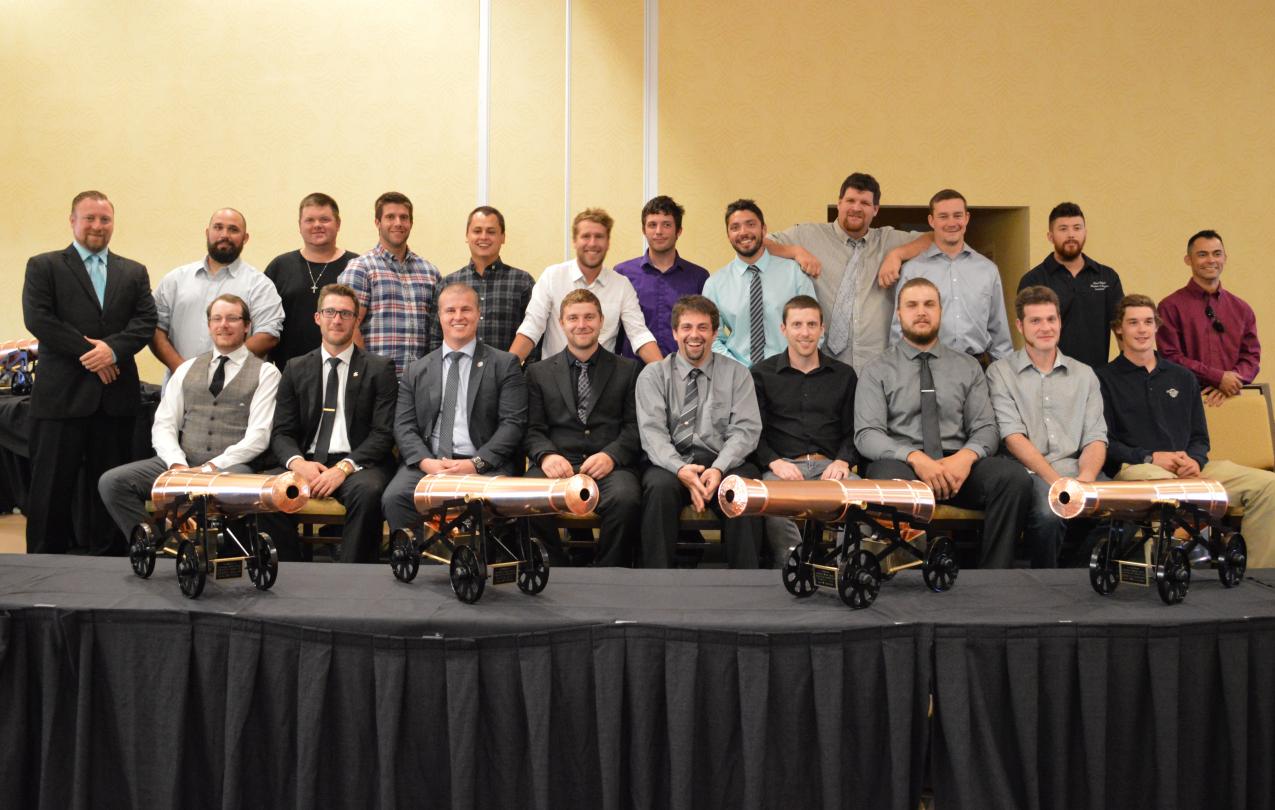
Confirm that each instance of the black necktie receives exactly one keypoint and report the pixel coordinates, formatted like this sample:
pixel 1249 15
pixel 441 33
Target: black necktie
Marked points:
pixel 447 414
pixel 330 395
pixel 931 440
pixel 584 390
pixel 219 376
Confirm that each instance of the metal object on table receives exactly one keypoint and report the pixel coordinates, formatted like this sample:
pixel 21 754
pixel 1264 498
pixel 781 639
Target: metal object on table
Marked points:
pixel 207 521
pixel 876 536
pixel 489 513
pixel 17 365
pixel 1153 529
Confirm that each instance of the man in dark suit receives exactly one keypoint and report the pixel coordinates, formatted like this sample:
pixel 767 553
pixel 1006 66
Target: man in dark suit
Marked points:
pixel 334 425
pixel 583 418
pixel 92 311
pixel 462 408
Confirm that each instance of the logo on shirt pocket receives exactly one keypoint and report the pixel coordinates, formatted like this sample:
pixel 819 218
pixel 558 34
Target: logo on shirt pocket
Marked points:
pixel 1173 392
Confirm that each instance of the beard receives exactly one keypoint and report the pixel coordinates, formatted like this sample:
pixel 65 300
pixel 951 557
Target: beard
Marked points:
pixel 1071 249
pixel 224 252
pixel 920 338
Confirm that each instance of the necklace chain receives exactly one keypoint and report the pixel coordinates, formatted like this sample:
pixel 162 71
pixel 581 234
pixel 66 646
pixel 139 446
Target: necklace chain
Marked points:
pixel 314 280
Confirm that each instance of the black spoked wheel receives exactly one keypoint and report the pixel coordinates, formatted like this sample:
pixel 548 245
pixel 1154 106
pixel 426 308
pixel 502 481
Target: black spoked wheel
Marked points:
pixel 533 574
pixel 1173 576
pixel 467 576
pixel 1233 561
pixel 405 560
pixel 263 567
pixel 190 569
pixel 940 568
pixel 796 573
pixel 859 579
pixel 1102 568
pixel 141 550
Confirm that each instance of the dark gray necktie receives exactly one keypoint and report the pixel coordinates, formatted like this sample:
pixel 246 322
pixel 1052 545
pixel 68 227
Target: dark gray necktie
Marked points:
pixel 756 317
pixel 584 391
pixel 219 376
pixel 686 420
pixel 447 414
pixel 331 393
pixel 931 440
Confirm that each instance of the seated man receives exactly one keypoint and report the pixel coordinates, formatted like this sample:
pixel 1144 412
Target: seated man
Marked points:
pixel 698 420
pixel 583 418
pixel 215 414
pixel 923 410
pixel 462 409
pixel 1049 412
pixel 1156 427
pixel 806 400
pixel 334 425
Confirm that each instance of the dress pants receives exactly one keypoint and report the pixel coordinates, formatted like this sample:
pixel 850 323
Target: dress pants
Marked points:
pixel 781 532
pixel 60 450
pixel 663 497
pixel 1000 487
pixel 360 494
pixel 1249 487
pixel 619 497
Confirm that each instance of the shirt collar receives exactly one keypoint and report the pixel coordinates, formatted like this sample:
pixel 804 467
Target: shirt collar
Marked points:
pixel 468 349
pixel 1020 361
pixel 345 354
pixel 784 362
pixel 381 252
pixel 1196 291
pixel 911 352
pixel 577 275
pixel 1127 366
pixel 740 267
pixel 85 253
pixel 236 357
pixel 845 237
pixel 1053 265
pixel 646 263
pixel 497 265
pixel 682 367
pixel 232 268
pixel 935 250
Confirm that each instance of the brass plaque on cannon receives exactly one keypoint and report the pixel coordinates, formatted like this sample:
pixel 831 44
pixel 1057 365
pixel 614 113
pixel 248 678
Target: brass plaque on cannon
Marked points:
pixel 504 574
pixel 230 569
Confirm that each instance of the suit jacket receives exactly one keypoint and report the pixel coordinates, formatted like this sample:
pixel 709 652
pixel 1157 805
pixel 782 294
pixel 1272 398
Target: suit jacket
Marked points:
pixel 371 391
pixel 60 309
pixel 496 401
pixel 610 425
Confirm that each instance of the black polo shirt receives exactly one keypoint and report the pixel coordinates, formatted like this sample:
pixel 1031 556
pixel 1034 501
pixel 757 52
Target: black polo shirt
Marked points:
pixel 1087 302
pixel 805 413
pixel 1151 411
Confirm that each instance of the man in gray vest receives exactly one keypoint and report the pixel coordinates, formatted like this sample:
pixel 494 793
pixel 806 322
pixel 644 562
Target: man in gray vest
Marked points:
pixel 215 414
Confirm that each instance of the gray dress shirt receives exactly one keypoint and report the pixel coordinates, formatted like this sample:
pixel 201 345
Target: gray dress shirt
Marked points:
pixel 873 306
pixel 728 423
pixel 1059 412
pixel 887 404
pixel 182 298
pixel 974 319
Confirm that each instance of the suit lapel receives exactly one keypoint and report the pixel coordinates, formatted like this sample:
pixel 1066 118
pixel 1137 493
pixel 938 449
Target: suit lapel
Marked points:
pixel 562 374
pixel 476 371
pixel 433 379
pixel 114 271
pixel 602 371
pixel 81 273
pixel 353 384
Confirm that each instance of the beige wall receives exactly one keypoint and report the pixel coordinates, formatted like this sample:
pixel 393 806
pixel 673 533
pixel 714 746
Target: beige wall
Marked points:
pixel 1155 117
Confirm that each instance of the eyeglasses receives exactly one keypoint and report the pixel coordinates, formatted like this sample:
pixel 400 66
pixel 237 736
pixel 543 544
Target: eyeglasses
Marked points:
pixel 231 319
pixel 1213 321
pixel 329 312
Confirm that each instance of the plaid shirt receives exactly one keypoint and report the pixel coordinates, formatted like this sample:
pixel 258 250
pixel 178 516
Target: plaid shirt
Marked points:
pixel 397 299
pixel 503 294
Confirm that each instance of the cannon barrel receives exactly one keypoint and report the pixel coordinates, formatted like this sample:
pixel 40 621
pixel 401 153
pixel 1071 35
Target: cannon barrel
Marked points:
pixel 232 493
pixel 509 496
pixel 1070 498
pixel 823 500
pixel 12 348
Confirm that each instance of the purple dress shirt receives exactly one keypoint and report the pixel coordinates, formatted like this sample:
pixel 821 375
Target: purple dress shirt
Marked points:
pixel 1188 337
pixel 657 293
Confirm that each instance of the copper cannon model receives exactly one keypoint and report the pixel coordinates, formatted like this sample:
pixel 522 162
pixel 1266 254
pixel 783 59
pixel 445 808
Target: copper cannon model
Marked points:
pixel 17 365
pixel 1155 529
pixel 207 520
pixel 490 512
pixel 877 540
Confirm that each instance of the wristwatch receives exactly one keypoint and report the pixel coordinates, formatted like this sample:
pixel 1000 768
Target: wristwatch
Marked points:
pixel 1148 458
pixel 480 465
pixel 346 466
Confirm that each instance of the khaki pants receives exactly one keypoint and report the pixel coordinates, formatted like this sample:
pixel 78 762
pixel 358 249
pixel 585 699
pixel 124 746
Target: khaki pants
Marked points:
pixel 1250 488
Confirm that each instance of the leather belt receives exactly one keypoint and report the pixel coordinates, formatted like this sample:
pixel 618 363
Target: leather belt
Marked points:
pixel 811 457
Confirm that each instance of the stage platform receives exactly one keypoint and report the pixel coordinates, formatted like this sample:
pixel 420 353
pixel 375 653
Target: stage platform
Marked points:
pixel 343 687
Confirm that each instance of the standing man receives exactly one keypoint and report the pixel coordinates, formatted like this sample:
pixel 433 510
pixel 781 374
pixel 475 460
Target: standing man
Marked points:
pixel 1049 412
pixel 583 418
pixel 923 410
pixel 1211 331
pixel 806 401
pixel 91 310
pixel 1087 291
pixel 698 420
pixel 661 276
pixel 591 236
pixel 183 296
pixel 751 291
pixel 299 275
pixel 855 267
pixel 461 409
pixel 334 425
pixel 395 287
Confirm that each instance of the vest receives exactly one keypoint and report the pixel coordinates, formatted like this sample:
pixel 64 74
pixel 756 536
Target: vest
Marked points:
pixel 211 424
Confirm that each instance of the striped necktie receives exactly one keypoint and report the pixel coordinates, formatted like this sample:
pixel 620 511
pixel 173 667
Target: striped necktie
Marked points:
pixel 689 416
pixel 756 317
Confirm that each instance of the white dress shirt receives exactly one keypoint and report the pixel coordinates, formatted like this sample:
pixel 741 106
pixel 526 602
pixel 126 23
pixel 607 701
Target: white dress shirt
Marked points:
pixel 339 441
pixel 619 305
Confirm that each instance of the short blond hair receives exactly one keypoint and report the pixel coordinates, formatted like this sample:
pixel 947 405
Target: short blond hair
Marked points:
pixel 598 215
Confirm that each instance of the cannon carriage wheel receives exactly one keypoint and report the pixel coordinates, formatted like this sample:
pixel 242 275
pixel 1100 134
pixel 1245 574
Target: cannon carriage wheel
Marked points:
pixel 191 573
pixel 141 550
pixel 1233 561
pixel 859 579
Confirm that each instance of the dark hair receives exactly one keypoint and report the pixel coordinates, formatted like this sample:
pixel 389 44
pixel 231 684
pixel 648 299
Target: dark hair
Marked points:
pixel 1065 209
pixel 744 205
pixel 861 182
pixel 802 302
pixel 1036 294
pixel 1207 233
pixel 663 204
pixel 458 286
pixel 595 215
pixel 393 198
pixel 319 200
pixel 90 195
pixel 696 303
pixel 947 194
pixel 337 289
pixel 578 297
pixel 919 281
pixel 230 298
pixel 487 211
pixel 1131 301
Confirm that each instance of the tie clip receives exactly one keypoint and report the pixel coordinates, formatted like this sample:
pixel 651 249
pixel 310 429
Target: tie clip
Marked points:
pixel 927 390
pixel 329 410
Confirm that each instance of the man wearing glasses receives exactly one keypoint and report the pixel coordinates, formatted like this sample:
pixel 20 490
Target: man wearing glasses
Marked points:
pixel 1208 329
pixel 334 426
